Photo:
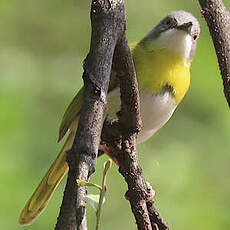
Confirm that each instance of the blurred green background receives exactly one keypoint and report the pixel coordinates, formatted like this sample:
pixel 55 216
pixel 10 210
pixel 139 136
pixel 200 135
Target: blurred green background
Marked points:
pixel 42 46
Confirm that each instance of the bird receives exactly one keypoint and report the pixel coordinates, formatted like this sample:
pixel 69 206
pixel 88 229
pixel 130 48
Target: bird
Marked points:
pixel 162 61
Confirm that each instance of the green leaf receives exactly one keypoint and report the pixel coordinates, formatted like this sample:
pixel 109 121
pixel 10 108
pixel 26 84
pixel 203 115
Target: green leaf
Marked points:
pixel 93 200
pixel 88 184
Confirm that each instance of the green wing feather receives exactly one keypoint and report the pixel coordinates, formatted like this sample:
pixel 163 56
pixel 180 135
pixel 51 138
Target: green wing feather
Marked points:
pixel 72 111
pixel 74 108
pixel 43 193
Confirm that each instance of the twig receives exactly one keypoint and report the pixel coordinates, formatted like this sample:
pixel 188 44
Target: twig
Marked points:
pixel 217 17
pixel 106 25
pixel 107 165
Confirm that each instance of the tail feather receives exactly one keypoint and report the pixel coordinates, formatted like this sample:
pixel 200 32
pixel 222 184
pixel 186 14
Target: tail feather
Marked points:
pixel 51 180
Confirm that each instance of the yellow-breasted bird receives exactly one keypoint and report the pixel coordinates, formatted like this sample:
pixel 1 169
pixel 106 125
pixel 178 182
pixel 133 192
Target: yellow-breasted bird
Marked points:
pixel 162 61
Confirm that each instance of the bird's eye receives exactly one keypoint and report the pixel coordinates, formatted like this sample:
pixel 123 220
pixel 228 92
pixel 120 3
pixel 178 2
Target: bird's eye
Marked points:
pixel 195 37
pixel 168 22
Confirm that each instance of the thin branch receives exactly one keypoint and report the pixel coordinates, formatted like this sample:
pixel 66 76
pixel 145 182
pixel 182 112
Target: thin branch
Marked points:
pixel 120 137
pixel 157 221
pixel 106 25
pixel 217 17
pixel 130 123
pixel 107 165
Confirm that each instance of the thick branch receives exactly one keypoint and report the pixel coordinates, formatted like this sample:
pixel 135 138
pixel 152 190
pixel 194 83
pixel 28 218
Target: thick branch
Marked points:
pixel 106 25
pixel 218 20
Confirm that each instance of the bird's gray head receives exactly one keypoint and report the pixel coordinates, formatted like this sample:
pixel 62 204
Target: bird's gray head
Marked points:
pixel 178 32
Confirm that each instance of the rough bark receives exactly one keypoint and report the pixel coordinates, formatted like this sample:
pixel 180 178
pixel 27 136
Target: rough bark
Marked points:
pixel 108 44
pixel 120 137
pixel 217 17
pixel 106 26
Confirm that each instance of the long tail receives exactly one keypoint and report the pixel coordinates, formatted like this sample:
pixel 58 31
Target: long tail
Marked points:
pixel 51 180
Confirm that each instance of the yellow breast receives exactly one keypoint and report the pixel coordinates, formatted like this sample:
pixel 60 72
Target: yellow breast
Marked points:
pixel 159 69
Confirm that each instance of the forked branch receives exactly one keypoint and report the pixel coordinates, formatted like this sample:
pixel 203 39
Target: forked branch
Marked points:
pixel 108 44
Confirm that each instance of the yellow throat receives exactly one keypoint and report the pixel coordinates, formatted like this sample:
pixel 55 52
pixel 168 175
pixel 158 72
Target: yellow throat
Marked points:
pixel 160 69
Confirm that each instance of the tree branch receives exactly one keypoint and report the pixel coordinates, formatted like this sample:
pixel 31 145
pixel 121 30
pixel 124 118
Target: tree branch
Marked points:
pixel 108 32
pixel 217 17
pixel 106 25
pixel 120 137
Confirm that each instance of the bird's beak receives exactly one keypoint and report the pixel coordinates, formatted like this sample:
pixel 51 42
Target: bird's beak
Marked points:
pixel 186 27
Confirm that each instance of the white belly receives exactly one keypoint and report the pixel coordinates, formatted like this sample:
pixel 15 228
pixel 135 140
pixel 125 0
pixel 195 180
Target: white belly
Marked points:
pixel 155 111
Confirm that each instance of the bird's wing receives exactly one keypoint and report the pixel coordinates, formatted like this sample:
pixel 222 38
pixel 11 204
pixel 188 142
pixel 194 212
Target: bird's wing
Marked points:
pixel 72 111
pixel 59 168
pixel 74 108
